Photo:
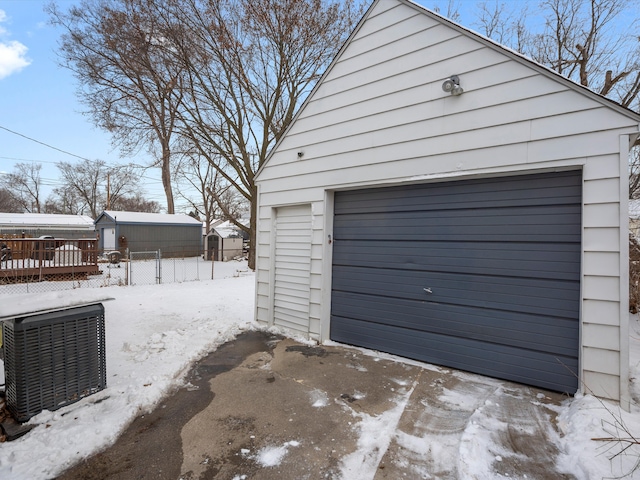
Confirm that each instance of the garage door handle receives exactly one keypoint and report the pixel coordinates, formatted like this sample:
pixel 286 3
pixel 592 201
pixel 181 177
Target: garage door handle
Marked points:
pixel 428 290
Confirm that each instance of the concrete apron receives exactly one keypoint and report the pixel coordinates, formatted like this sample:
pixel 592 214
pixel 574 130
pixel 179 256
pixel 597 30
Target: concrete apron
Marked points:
pixel 294 411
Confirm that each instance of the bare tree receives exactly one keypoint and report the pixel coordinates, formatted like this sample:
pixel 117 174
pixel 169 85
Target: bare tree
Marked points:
pixel 503 23
pixel 579 42
pixel 65 200
pixel 589 41
pixel 231 205
pixel 198 175
pixel 8 203
pixel 452 10
pixel 23 184
pixel 217 199
pixel 94 182
pixel 119 54
pixel 135 203
pixel 250 64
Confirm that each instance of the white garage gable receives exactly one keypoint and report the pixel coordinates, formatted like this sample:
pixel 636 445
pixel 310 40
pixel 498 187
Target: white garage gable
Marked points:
pixel 380 118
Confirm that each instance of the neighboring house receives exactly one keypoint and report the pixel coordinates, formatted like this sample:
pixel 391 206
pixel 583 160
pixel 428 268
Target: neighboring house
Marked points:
pixel 173 235
pixel 33 225
pixel 485 231
pixel 225 241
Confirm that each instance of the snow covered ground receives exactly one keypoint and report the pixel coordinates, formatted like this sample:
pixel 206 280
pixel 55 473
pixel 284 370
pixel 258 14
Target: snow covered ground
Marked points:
pixel 141 271
pixel 154 334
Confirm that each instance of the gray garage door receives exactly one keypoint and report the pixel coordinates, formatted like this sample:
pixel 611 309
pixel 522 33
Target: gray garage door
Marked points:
pixel 480 275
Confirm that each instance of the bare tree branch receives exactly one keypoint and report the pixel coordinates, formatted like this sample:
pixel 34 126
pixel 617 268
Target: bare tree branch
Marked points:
pixel 123 62
pixel 88 181
pixel 23 184
pixel 249 65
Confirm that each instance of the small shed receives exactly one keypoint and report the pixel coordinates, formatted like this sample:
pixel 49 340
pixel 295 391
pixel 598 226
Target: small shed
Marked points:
pixel 225 241
pixel 173 235
pixel 34 225
pixel 444 198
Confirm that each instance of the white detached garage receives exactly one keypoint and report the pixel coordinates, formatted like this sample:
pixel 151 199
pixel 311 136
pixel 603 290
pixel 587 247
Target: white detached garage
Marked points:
pixel 484 230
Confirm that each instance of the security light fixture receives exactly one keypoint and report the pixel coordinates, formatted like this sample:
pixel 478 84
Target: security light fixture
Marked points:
pixel 452 85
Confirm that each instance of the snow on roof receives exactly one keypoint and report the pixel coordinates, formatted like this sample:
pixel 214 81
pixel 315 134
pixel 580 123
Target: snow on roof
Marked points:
pixel 18 220
pixel 227 230
pixel 157 218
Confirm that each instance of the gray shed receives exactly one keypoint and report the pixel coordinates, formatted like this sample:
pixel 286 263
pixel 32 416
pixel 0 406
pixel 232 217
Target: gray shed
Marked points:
pixel 173 235
pixel 446 199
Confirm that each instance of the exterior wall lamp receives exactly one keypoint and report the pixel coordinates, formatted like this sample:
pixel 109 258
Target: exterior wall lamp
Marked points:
pixel 452 85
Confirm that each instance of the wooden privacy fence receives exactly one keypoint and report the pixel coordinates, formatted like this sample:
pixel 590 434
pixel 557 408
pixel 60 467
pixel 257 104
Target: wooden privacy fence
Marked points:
pixel 29 259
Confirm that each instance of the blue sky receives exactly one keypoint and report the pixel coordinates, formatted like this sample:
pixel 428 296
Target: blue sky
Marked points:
pixel 37 97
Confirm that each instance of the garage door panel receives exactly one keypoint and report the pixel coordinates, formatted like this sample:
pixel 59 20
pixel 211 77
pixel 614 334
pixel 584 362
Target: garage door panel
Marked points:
pixel 525 366
pixel 470 217
pixel 448 204
pixel 528 265
pixel 461 233
pixel 410 284
pixel 500 256
pixel 546 225
pixel 422 254
pixel 504 192
pixel 536 190
pixel 470 290
pixel 497 327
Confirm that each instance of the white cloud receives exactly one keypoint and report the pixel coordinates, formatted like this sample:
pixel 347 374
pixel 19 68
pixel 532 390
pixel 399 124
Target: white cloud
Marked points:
pixel 12 58
pixel 12 53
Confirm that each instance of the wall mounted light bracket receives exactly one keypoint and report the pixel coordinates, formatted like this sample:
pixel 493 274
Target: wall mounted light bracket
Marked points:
pixel 452 85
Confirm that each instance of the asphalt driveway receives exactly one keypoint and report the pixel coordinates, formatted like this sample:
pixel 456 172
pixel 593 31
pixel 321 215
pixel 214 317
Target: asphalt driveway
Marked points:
pixel 266 407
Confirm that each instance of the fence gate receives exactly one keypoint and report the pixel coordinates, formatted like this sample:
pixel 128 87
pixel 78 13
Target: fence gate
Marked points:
pixel 145 268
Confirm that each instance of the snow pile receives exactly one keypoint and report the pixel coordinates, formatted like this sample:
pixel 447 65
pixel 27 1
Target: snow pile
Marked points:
pixel 154 333
pixel 375 436
pixel 271 456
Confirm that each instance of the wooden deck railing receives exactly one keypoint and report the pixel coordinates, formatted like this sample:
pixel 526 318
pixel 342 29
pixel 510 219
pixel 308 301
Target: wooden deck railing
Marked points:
pixel 47 259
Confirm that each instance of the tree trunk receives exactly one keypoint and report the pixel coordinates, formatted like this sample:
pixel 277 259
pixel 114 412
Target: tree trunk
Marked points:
pixel 253 222
pixel 166 177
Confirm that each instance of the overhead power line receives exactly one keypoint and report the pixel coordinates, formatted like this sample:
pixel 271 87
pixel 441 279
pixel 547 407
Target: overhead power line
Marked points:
pixel 45 144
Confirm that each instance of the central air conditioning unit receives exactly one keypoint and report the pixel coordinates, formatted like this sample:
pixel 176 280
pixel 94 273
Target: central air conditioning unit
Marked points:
pixel 53 359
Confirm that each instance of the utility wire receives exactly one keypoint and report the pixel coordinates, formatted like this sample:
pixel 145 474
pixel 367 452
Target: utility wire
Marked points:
pixel 54 182
pixel 45 144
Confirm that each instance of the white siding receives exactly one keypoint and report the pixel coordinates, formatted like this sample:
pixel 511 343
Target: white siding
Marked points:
pixel 380 117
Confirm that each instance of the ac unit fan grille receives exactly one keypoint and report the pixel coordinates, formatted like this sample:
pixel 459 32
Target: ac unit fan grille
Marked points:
pixel 53 359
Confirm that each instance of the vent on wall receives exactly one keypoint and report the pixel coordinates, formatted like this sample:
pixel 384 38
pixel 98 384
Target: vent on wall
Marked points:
pixel 53 359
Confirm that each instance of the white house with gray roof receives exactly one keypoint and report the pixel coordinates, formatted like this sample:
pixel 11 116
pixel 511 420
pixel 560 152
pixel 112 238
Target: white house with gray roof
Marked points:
pixel 446 199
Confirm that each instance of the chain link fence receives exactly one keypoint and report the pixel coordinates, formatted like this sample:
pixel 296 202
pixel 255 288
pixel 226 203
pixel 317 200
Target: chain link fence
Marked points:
pixel 45 274
pixel 146 268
